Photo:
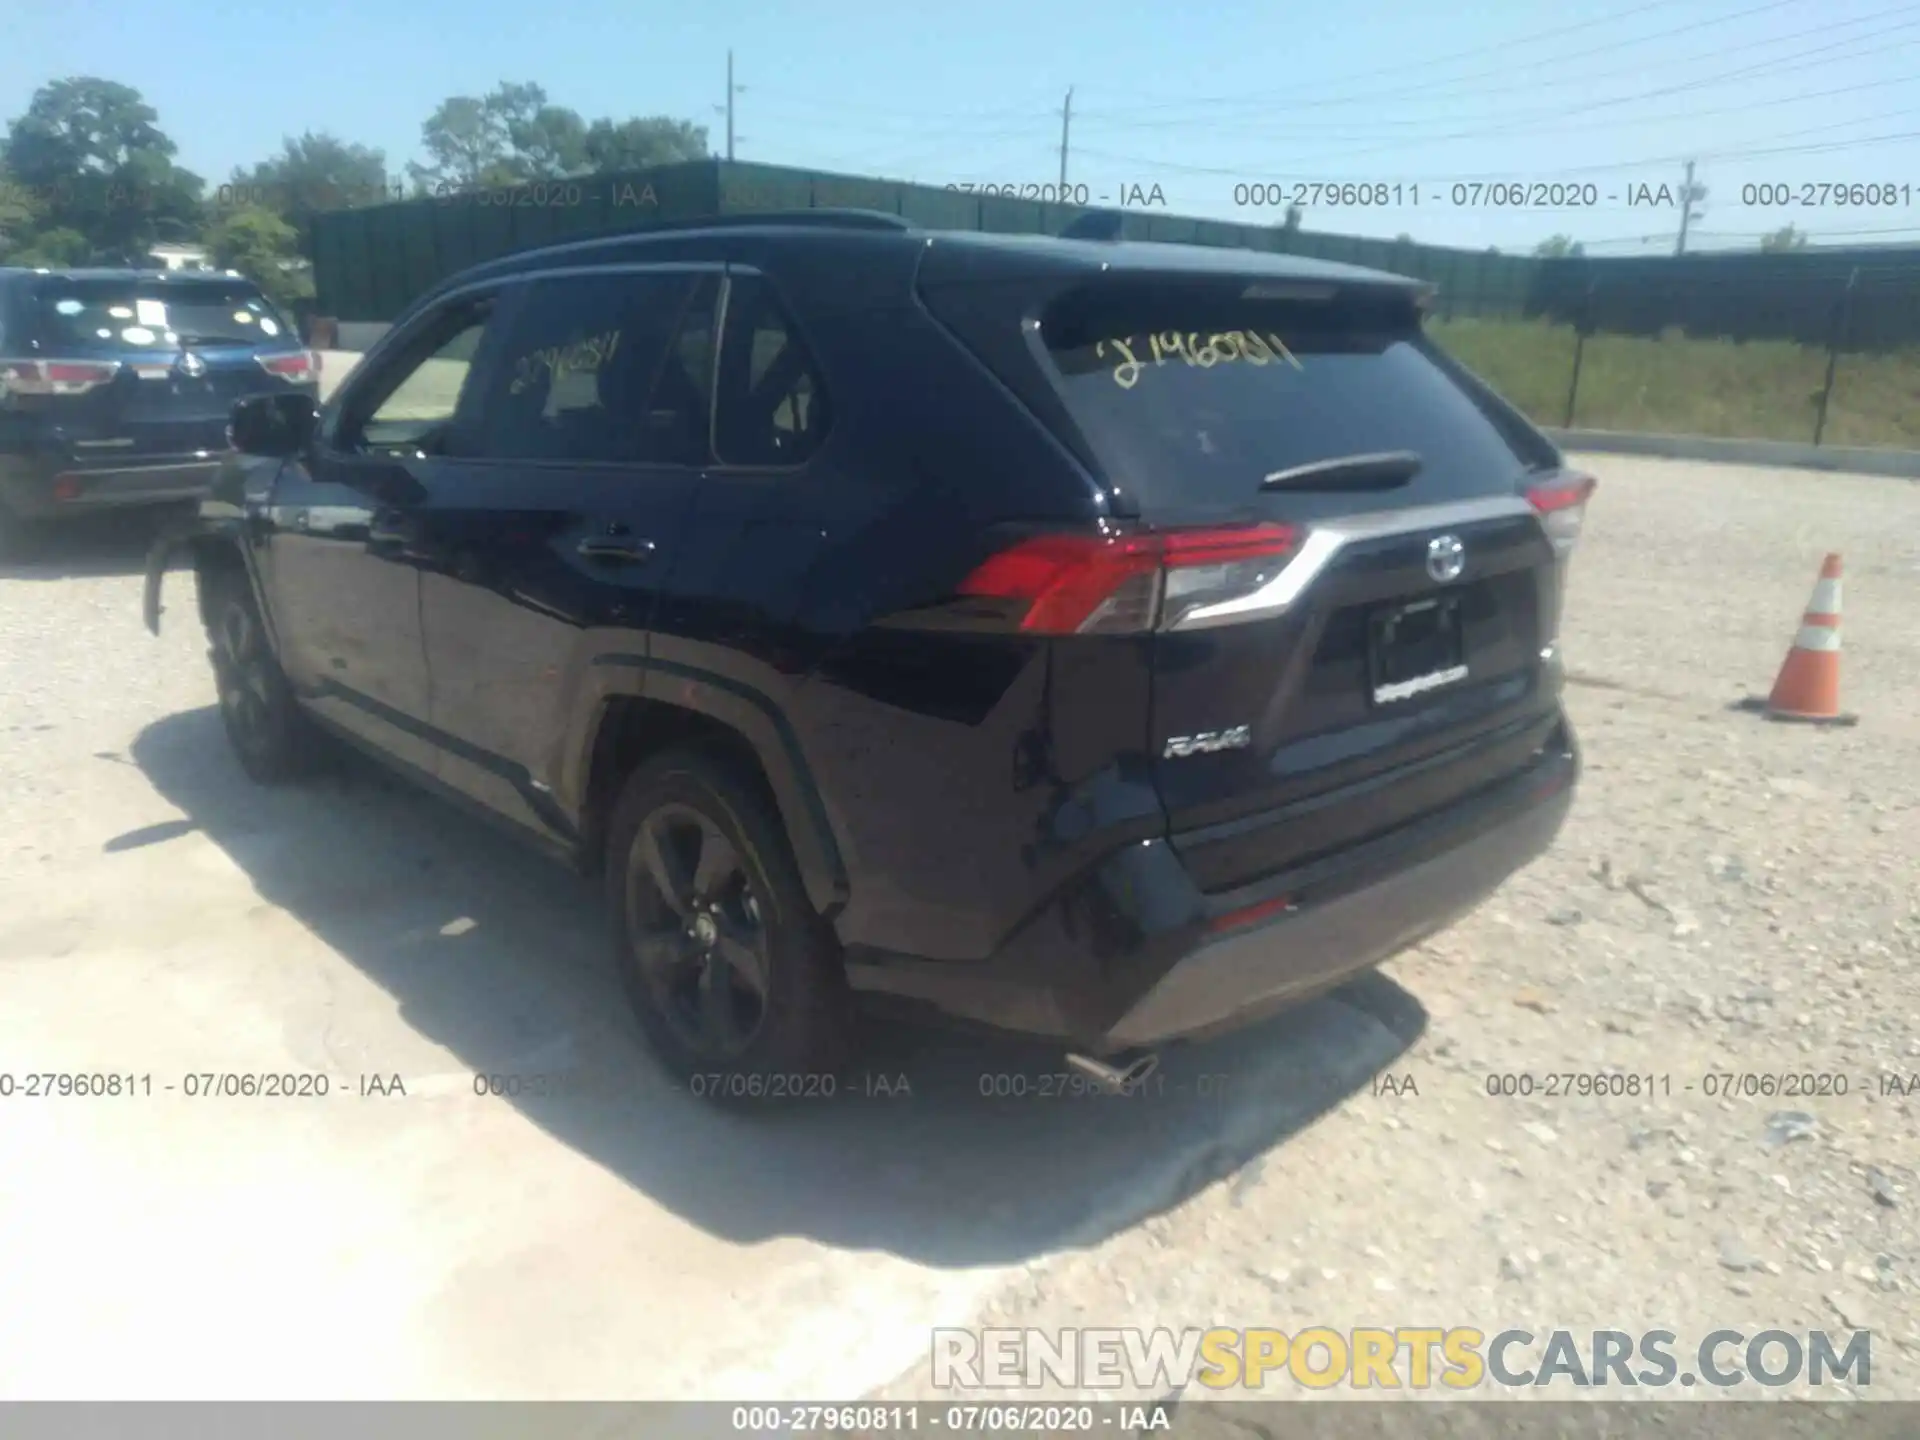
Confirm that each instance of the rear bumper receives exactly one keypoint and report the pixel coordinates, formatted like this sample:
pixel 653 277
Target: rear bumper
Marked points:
pixel 1139 956
pixel 42 487
pixel 1434 878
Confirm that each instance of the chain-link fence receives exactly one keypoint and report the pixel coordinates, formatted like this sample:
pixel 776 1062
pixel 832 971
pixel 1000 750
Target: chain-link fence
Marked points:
pixel 1598 361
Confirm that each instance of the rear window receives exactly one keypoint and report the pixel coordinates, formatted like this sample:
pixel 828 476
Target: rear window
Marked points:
pixel 1191 403
pixel 81 317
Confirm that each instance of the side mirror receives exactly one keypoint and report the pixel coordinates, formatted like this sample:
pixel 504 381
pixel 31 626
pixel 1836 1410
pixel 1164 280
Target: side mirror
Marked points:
pixel 275 426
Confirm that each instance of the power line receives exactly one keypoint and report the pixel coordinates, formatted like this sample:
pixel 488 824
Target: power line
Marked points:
pixel 1240 171
pixel 1786 64
pixel 1823 235
pixel 1427 65
pixel 1573 123
pixel 1586 109
pixel 1825 148
pixel 1704 83
pixel 1036 113
pixel 910 130
pixel 1576 123
pixel 1583 78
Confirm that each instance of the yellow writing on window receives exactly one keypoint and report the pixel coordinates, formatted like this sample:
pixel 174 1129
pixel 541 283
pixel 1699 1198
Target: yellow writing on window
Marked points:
pixel 581 357
pixel 1197 349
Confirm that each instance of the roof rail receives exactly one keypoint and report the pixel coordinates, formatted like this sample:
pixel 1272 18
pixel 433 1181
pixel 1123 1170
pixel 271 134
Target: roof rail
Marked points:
pixel 825 217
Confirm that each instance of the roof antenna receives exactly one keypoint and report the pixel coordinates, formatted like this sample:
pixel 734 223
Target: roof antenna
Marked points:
pixel 1094 225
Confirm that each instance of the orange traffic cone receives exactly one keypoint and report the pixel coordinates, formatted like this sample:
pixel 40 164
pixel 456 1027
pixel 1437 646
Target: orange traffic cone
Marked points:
pixel 1808 686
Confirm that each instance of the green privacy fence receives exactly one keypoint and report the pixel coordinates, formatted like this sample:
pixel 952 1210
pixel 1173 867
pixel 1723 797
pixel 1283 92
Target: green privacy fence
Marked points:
pixel 370 262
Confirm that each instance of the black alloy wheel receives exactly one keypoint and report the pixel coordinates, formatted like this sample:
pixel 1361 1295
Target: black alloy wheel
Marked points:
pixel 698 933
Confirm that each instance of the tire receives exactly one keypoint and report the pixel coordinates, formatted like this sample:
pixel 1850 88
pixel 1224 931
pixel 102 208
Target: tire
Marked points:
pixel 271 736
pixel 735 980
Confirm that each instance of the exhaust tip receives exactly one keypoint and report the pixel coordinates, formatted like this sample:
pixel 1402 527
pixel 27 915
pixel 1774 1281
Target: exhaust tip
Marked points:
pixel 1115 1079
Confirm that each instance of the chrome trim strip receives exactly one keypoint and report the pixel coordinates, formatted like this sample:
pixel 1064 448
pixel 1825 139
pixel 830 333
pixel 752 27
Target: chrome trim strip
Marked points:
pixel 623 267
pixel 209 463
pixel 1326 541
pixel 557 272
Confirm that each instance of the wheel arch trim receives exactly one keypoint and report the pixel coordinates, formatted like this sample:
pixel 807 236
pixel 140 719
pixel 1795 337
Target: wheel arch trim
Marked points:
pixel 760 724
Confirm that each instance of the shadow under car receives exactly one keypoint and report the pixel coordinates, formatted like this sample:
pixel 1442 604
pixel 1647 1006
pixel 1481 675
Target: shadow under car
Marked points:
pixel 946 1148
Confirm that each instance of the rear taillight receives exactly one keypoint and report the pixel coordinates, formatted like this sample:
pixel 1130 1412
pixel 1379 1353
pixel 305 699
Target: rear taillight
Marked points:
pixel 299 366
pixel 1562 503
pixel 1126 584
pixel 55 377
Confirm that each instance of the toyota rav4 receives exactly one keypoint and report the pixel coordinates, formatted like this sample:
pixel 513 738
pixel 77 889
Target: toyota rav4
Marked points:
pixel 1106 641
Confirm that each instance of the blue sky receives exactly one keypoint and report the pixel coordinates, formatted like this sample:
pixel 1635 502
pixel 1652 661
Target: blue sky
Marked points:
pixel 1193 98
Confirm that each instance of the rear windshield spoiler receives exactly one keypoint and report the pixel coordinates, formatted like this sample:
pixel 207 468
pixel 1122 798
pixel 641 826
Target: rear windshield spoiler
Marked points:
pixel 1051 267
pixel 1133 299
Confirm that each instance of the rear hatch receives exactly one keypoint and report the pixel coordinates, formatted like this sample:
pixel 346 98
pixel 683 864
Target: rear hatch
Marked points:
pixel 1360 635
pixel 121 371
pixel 1400 667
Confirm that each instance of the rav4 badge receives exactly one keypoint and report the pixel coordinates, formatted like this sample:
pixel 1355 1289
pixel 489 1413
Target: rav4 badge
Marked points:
pixel 1208 741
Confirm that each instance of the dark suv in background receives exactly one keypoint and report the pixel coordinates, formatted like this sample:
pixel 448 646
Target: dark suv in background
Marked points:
pixel 116 385
pixel 1110 642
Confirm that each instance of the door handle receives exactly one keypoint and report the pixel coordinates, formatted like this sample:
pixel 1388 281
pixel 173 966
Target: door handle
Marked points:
pixel 616 552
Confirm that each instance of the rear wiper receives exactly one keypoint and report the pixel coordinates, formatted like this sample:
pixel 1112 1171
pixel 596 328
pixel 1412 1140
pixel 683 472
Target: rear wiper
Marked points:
pixel 1386 471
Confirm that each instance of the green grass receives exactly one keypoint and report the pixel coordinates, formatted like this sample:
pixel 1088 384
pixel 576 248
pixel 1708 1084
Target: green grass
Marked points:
pixel 1677 385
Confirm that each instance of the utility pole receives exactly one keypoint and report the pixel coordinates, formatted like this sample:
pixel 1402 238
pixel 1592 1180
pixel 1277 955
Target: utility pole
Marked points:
pixel 730 94
pixel 1066 124
pixel 1688 195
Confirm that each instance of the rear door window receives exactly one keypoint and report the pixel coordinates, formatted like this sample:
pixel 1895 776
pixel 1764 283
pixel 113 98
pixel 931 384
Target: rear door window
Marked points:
pixel 98 316
pixel 1191 402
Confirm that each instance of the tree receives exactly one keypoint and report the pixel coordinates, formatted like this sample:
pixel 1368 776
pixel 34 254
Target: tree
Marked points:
pixel 265 248
pixel 545 141
pixel 1783 240
pixel 92 154
pixel 1294 216
pixel 515 133
pixel 56 249
pixel 312 173
pixel 20 212
pixel 642 143
pixel 1559 247
pixel 467 146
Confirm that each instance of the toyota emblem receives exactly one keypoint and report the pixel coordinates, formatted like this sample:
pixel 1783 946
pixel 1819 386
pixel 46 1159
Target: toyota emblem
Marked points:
pixel 192 366
pixel 1446 558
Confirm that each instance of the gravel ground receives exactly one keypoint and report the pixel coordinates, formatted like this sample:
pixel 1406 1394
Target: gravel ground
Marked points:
pixel 1730 897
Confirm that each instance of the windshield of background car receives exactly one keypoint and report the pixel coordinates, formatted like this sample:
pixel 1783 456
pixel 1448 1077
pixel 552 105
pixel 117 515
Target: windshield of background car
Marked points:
pixel 91 316
pixel 1192 402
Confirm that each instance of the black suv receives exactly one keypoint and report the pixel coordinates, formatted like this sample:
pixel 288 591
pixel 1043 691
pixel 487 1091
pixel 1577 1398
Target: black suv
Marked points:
pixel 1108 642
pixel 115 385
